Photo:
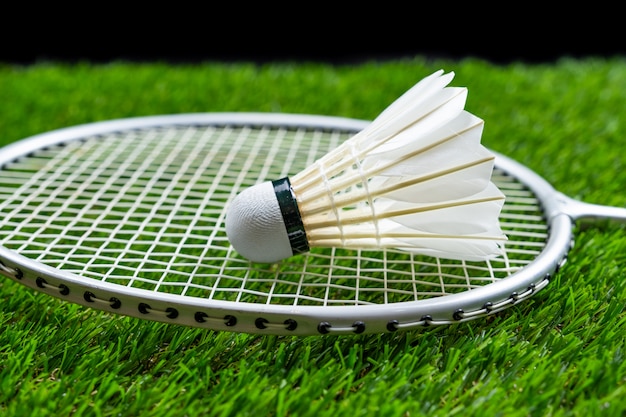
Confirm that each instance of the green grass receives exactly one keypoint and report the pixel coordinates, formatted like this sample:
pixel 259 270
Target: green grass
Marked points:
pixel 562 353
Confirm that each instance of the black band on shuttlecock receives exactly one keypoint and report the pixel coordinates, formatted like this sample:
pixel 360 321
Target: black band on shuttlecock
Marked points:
pixel 291 215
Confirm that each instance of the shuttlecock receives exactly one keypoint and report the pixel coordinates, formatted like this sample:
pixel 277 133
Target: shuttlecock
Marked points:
pixel 417 178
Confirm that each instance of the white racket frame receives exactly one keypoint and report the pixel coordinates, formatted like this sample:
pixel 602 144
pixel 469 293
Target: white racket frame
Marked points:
pixel 561 213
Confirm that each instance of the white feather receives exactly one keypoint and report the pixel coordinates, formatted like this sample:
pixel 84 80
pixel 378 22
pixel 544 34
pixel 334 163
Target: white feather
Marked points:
pixel 417 178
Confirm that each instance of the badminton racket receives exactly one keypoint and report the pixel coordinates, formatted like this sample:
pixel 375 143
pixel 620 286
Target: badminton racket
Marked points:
pixel 127 216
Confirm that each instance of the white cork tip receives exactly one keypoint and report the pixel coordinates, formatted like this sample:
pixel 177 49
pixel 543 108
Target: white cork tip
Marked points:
pixel 255 226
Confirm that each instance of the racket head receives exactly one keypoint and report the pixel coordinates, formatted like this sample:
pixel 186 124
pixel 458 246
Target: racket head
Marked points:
pixel 127 216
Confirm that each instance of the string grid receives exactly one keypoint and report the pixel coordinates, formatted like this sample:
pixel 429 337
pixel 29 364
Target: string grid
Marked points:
pixel 144 208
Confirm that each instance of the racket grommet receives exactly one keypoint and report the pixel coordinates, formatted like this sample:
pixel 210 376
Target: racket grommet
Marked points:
pixel 64 289
pixel 359 327
pixel 291 324
pixel 171 313
pixel 488 306
pixel 18 273
pixel 89 296
pixel 324 327
pixel 392 325
pixel 458 314
pixel 41 283
pixel 260 323
pixel 12 272
pixel 229 320
pixel 427 319
pixel 143 308
pixel 199 316
pixel 115 303
pixel 514 296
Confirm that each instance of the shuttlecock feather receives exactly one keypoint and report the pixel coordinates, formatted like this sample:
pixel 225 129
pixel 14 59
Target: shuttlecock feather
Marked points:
pixel 417 178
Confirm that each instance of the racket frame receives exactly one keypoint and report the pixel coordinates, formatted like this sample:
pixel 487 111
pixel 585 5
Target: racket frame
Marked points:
pixel 287 319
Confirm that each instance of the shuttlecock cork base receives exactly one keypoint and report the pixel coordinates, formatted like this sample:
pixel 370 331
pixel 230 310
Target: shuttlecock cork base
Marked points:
pixel 417 178
pixel 264 223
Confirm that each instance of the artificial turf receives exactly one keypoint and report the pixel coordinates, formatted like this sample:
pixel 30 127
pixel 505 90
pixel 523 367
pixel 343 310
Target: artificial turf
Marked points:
pixel 559 354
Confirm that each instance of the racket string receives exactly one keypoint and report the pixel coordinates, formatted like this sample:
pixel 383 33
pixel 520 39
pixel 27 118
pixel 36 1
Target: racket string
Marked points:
pixel 151 218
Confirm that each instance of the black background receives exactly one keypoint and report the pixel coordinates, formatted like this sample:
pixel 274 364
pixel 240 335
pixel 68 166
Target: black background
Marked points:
pixel 502 33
